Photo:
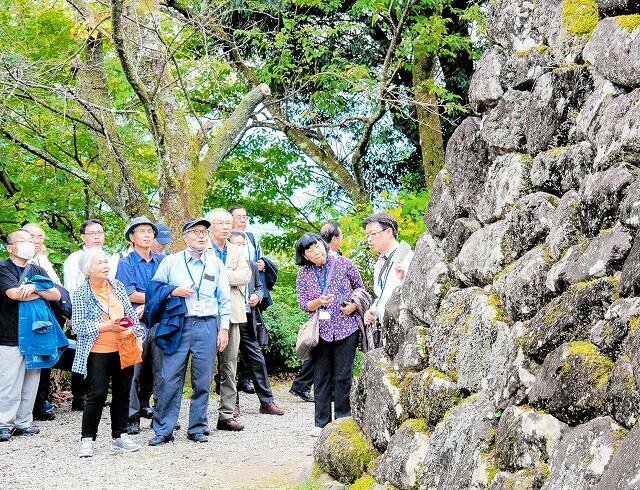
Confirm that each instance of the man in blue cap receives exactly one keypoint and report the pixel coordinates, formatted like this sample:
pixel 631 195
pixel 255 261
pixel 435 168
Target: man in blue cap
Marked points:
pixel 135 271
pixel 199 280
pixel 162 239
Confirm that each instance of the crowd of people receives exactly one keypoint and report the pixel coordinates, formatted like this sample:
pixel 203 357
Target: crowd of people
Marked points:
pixel 139 318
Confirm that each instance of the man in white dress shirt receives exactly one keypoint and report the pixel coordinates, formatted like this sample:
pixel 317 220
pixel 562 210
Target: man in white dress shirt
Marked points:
pixel 381 231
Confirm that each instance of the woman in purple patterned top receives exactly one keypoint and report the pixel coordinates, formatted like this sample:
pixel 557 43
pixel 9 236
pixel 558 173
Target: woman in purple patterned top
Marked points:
pixel 325 283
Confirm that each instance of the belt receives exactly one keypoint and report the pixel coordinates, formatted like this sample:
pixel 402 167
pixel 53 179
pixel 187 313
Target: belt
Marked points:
pixel 193 318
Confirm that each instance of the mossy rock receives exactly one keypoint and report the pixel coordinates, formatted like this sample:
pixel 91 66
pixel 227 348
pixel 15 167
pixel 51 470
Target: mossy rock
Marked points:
pixel 428 395
pixel 628 22
pixel 343 452
pixel 572 383
pixel 365 482
pixel 580 17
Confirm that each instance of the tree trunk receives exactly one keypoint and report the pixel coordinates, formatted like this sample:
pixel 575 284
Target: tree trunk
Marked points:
pixel 429 128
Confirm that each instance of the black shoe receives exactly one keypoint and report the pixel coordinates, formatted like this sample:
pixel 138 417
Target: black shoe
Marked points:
pixel 42 415
pixel 146 412
pixel 197 437
pixel 5 434
pixel 305 395
pixel 77 404
pixel 26 431
pixel 157 440
pixel 134 426
pixel 247 388
pixel 206 431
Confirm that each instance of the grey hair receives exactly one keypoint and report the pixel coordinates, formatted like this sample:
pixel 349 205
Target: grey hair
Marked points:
pixel 84 263
pixel 26 227
pixel 215 211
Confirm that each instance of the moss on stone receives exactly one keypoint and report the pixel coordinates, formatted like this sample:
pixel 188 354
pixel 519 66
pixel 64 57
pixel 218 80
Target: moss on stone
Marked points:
pixel 417 425
pixel 452 314
pixel 545 471
pixel 539 48
pixel 493 300
pixel 504 270
pixel 628 22
pixel 553 311
pixel 491 472
pixel 363 483
pixel 620 432
pixel 580 17
pixel 393 379
pixel 634 323
pixel 599 367
pixel 422 342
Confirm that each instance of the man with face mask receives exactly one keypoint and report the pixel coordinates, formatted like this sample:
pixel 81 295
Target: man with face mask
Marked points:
pixel 197 280
pixel 18 386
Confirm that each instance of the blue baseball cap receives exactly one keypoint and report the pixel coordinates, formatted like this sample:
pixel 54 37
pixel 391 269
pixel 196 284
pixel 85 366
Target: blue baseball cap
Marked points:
pixel 164 234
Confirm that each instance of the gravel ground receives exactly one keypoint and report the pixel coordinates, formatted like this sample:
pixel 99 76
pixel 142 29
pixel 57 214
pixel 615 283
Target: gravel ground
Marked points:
pixel 272 452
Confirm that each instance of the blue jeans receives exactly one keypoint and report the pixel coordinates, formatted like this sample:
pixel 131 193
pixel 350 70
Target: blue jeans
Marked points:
pixel 199 339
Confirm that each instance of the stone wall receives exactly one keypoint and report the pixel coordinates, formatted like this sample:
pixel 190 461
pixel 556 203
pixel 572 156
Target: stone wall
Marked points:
pixel 512 356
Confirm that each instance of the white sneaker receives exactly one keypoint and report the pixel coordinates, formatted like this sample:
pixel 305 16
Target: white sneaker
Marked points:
pixel 315 432
pixel 124 444
pixel 86 448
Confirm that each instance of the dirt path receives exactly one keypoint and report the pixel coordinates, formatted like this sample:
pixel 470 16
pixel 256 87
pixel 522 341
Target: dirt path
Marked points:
pixel 272 452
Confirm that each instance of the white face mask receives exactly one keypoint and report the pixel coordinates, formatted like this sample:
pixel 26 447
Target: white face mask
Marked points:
pixel 26 250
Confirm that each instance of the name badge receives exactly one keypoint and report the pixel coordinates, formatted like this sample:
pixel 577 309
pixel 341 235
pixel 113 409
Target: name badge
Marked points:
pixel 198 308
pixel 324 314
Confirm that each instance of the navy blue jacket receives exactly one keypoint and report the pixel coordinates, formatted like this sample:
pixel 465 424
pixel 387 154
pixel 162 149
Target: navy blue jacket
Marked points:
pixel 168 312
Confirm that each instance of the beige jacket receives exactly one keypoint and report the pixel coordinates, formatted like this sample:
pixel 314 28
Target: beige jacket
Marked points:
pixel 239 275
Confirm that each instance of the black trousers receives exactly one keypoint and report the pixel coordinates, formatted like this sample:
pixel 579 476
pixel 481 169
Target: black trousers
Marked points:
pixel 254 359
pixel 333 375
pixel 78 385
pixel 304 380
pixel 102 369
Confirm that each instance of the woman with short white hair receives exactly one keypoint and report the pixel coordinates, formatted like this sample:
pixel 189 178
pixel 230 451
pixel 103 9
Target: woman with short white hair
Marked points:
pixel 102 313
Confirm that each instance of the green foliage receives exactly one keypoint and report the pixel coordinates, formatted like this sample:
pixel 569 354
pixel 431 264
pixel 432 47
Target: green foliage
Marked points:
pixel 283 318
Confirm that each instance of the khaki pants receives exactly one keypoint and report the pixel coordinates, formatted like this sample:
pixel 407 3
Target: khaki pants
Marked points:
pixel 228 368
pixel 18 389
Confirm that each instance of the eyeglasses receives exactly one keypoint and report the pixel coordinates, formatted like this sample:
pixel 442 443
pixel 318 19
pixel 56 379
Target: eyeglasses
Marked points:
pixel 143 230
pixel 240 217
pixel 370 235
pixel 198 232
pixel 94 233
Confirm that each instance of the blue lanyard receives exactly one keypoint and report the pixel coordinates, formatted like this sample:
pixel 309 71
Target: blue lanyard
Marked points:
pixel 204 266
pixel 322 279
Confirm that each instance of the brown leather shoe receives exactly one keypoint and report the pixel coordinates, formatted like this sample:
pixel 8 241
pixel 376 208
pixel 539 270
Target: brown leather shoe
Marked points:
pixel 271 409
pixel 229 424
pixel 236 411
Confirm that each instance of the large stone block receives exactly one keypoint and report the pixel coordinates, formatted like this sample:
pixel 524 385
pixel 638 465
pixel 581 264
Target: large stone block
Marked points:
pixel 461 338
pixel 600 196
pixel 630 205
pixel 484 88
pixel 342 451
pixel 562 169
pixel 565 228
pixel 524 67
pixel 504 127
pixel 572 383
pixel 467 161
pixel 630 276
pixel 618 137
pixel 454 451
pixel 623 396
pixel 557 96
pixel 584 454
pixel 588 119
pixel 460 232
pixel 603 256
pixel 609 332
pixel 489 249
pixel 623 469
pixel 407 448
pixel 428 279
pixel 613 49
pixel 521 286
pixel 428 395
pixel 442 210
pixel 569 317
pixel 507 181
pixel 513 25
pixel 526 437
pixel 375 399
